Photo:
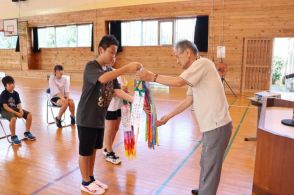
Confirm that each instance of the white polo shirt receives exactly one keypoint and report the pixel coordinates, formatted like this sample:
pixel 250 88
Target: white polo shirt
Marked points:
pixel 209 100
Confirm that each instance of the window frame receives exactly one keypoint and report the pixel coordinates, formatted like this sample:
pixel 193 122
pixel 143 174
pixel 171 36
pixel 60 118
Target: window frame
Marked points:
pixel 142 34
pixel 11 37
pixel 173 28
pixel 56 26
pixel 181 18
pixel 159 20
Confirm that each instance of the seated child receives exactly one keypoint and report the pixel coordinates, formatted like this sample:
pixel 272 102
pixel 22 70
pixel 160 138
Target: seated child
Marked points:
pixel 59 92
pixel 11 109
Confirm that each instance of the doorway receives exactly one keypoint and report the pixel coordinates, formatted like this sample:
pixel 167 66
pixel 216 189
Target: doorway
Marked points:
pixel 283 65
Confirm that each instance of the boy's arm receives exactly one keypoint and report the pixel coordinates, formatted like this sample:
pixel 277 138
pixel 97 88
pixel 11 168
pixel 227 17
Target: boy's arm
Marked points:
pixel 111 75
pixel 123 95
pixel 19 106
pixel 67 88
pixel 180 108
pixel 8 109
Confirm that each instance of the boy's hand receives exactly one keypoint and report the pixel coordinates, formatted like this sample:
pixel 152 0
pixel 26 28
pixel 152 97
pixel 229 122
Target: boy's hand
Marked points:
pixel 145 75
pixel 19 115
pixel 133 67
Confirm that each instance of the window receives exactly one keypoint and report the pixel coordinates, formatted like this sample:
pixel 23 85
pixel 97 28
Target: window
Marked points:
pixel 157 32
pixel 84 35
pixel 131 33
pixel 46 37
pixel 184 29
pixel 166 33
pixel 150 33
pixel 65 36
pixel 7 42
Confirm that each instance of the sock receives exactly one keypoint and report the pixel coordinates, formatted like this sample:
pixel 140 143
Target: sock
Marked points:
pixel 86 183
pixel 92 178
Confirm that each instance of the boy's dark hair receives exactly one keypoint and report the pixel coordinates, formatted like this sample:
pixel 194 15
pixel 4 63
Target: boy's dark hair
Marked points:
pixel 107 41
pixel 7 80
pixel 58 67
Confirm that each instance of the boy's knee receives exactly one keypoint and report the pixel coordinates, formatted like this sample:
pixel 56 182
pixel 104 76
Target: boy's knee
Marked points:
pixel 13 120
pixel 65 103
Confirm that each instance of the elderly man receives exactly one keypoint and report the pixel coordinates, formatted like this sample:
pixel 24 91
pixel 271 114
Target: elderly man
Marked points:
pixel 206 93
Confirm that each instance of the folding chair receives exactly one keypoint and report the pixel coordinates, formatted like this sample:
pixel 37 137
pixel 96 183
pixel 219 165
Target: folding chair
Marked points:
pixel 2 74
pixel 51 106
pixel 7 136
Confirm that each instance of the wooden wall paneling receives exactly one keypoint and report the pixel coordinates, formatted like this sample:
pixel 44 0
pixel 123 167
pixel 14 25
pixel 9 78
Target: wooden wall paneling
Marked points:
pixel 246 18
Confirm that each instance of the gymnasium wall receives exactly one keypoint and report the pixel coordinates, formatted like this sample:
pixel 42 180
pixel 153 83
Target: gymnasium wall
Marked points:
pixel 246 18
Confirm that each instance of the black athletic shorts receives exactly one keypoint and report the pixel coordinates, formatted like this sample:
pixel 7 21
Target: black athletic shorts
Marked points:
pixel 90 139
pixel 54 100
pixel 113 115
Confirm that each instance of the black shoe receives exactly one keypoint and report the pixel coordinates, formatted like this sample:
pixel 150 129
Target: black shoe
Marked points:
pixel 112 158
pixel 29 136
pixel 15 140
pixel 105 152
pixel 72 120
pixel 58 122
pixel 195 192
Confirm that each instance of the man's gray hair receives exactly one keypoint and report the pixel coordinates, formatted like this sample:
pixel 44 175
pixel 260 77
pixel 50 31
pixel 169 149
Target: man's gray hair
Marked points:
pixel 186 44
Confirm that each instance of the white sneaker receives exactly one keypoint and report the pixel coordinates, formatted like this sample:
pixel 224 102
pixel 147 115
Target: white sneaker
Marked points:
pixel 110 157
pixel 92 189
pixel 101 184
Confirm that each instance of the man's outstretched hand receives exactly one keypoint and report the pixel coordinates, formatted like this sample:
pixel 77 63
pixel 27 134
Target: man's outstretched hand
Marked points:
pixel 144 75
pixel 133 67
pixel 162 121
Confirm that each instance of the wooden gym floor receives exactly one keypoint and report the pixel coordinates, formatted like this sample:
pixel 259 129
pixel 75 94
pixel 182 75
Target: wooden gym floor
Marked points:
pixel 50 164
